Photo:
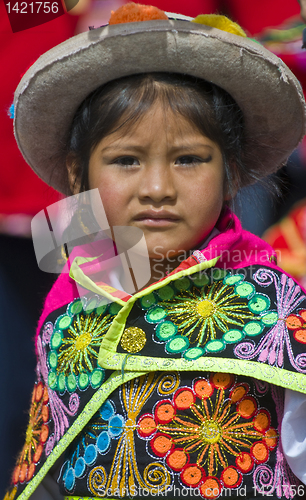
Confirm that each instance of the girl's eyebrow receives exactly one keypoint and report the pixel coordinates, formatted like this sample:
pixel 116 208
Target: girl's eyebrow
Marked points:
pixel 132 147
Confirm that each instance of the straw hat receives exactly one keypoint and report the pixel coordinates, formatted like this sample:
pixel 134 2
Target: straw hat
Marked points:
pixel 51 91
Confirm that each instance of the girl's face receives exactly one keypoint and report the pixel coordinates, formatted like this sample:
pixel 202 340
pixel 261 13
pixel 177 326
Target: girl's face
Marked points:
pixel 163 176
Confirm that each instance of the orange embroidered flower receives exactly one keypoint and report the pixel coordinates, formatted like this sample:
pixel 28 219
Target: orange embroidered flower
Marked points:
pixel 211 433
pixel 297 323
pixel 134 12
pixel 36 435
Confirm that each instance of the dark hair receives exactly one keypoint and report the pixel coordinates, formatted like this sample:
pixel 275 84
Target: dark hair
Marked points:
pixel 122 102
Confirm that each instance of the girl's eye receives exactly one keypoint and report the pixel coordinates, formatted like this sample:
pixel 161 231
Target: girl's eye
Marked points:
pixel 192 160
pixel 126 161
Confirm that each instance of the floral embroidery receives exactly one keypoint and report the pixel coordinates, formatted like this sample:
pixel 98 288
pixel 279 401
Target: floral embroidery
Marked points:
pixel 297 323
pixel 36 435
pixel 58 409
pixel 196 434
pixel 272 345
pixel 75 342
pixel 95 439
pixel 193 319
pixel 124 475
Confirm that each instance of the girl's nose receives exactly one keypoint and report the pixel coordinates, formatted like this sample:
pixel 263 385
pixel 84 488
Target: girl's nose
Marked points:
pixel 157 184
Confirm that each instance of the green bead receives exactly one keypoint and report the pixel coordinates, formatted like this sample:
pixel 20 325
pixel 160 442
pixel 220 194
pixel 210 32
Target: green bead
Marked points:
pixel 52 380
pixel 233 279
pixel 96 377
pixel 244 289
pixel 63 322
pixel 56 339
pixel 259 303
pixel 83 380
pixel 166 293
pixel 193 353
pixel 101 309
pixel 215 346
pixel 147 301
pixel 182 283
pixel 166 330
pixel 200 279
pixel 177 344
pixel 61 382
pixel 156 314
pixel 114 308
pixel 52 359
pixel 76 307
pixel 253 328
pixel 71 382
pixel 219 274
pixel 233 336
pixel 91 305
pixel 270 318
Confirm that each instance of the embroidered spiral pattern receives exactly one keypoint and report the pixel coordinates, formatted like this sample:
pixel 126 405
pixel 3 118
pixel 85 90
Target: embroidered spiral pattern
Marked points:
pixel 74 402
pixel 263 479
pixel 97 481
pixel 168 384
pixel 156 475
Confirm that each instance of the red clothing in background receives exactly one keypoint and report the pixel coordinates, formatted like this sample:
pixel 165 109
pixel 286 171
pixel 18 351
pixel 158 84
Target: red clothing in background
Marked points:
pixel 21 191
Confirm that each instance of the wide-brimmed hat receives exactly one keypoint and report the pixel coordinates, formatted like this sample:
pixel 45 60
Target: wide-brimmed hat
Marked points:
pixel 51 91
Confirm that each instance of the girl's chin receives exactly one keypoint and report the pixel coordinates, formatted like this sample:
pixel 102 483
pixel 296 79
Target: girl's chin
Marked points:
pixel 161 254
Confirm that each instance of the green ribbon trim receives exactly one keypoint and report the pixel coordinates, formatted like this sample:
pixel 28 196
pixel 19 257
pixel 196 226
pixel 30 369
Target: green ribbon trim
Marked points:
pixel 115 380
pixel 112 337
pixel 277 376
pixel 78 275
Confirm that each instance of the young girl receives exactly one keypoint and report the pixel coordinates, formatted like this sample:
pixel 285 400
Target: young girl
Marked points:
pixel 174 367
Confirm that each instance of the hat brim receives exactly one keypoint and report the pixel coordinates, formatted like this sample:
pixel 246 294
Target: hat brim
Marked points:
pixel 51 91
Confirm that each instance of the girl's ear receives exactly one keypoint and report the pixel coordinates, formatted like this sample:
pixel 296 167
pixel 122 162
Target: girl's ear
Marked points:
pixel 73 174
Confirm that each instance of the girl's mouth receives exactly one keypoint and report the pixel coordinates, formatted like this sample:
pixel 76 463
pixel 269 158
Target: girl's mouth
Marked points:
pixel 155 218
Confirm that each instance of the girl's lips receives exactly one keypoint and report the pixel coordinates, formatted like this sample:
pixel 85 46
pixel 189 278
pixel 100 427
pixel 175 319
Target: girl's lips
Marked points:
pixel 157 219
pixel 158 222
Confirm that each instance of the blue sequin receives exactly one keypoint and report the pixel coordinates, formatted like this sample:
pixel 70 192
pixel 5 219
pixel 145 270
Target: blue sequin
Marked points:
pixel 103 442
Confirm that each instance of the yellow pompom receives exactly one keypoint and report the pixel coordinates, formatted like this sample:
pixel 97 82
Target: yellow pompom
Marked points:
pixel 221 22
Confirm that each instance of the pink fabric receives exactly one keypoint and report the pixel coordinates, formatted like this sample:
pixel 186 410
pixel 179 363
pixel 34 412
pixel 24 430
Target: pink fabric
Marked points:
pixel 238 249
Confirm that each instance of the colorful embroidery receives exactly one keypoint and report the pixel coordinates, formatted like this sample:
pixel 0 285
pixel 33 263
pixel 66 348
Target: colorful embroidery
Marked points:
pixel 272 345
pixel 202 314
pixel 124 475
pixel 133 339
pixel 104 427
pixel 36 435
pixel 75 343
pixel 156 432
pixel 59 410
pixel 209 434
pixel 197 435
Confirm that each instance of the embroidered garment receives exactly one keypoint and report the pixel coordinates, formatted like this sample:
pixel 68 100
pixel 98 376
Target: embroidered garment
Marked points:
pixel 178 389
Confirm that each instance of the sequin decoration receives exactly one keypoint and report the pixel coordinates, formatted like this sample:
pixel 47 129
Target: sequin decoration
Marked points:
pixel 36 436
pixel 75 343
pixel 133 339
pixel 201 432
